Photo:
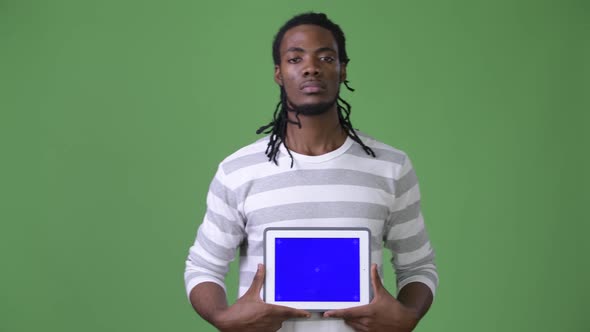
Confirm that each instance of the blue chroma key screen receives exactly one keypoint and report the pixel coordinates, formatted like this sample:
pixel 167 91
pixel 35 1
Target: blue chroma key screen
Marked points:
pixel 317 269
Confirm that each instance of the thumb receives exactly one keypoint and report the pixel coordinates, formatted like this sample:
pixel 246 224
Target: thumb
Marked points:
pixel 376 281
pixel 257 282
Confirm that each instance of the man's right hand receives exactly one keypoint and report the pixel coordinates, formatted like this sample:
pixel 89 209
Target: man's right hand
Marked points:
pixel 250 313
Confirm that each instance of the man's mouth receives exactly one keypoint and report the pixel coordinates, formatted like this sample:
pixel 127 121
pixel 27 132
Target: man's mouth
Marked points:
pixel 312 87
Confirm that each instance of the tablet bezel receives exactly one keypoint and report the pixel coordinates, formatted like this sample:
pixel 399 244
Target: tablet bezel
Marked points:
pixel 362 233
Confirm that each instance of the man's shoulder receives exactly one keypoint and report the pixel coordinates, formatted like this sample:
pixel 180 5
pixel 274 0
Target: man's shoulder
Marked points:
pixel 249 155
pixel 383 151
pixel 253 148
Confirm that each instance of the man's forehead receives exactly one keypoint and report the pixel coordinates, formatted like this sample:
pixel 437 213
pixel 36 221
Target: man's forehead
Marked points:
pixel 308 37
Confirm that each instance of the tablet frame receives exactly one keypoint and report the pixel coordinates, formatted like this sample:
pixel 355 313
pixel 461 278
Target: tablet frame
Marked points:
pixel 362 233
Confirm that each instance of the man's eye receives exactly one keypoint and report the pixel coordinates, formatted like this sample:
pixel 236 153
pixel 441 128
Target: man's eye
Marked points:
pixel 294 60
pixel 327 59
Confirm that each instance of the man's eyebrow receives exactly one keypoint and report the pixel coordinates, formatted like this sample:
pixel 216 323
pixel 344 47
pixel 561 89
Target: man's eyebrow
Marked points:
pixel 319 50
pixel 295 49
pixel 325 49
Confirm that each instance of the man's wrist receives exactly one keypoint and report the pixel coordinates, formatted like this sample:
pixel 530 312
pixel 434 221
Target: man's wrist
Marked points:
pixel 218 319
pixel 413 316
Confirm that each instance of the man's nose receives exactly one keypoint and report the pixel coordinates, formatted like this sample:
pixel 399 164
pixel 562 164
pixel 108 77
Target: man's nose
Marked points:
pixel 312 68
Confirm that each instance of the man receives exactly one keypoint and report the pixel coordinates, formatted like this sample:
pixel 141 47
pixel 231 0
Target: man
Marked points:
pixel 313 170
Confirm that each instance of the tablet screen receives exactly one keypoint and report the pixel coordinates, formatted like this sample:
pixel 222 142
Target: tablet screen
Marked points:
pixel 317 269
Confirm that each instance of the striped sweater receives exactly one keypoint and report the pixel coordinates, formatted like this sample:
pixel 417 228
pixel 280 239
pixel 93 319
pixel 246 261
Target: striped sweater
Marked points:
pixel 342 188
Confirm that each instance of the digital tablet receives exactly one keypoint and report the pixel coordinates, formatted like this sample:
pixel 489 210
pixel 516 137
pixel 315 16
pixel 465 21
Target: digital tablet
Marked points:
pixel 317 269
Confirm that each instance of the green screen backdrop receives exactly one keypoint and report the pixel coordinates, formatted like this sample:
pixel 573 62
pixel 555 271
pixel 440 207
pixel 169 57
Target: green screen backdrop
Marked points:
pixel 115 114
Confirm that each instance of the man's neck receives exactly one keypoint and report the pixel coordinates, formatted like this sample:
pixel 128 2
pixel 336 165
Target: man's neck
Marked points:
pixel 319 134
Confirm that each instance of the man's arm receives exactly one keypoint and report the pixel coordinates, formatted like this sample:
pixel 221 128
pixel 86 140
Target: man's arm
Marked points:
pixel 405 235
pixel 218 236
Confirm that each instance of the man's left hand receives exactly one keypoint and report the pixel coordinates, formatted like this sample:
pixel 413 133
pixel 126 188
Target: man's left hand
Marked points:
pixel 384 313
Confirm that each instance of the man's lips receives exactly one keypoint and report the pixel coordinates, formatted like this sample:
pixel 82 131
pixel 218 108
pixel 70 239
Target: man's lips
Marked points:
pixel 312 86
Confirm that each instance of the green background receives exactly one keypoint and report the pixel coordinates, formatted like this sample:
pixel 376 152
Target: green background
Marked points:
pixel 115 114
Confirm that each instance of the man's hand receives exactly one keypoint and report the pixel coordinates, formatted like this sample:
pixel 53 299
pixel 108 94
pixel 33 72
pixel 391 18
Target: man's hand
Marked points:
pixel 384 313
pixel 250 313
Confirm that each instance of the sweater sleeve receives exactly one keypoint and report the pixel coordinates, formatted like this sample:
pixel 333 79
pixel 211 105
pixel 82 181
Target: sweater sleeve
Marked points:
pixel 218 237
pixel 405 234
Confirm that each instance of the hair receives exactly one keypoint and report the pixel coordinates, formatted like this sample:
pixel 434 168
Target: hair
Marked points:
pixel 277 128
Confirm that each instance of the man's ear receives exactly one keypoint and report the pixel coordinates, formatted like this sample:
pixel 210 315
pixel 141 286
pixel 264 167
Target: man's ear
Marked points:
pixel 342 73
pixel 278 76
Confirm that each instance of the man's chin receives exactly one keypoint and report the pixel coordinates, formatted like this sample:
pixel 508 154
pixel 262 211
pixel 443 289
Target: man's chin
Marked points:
pixel 312 109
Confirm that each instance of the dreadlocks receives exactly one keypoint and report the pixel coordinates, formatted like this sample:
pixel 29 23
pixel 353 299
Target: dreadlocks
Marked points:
pixel 278 126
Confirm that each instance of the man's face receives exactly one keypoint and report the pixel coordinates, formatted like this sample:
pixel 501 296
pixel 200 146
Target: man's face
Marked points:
pixel 310 71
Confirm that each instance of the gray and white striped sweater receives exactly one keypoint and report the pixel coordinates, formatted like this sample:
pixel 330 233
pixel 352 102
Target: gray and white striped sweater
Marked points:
pixel 343 188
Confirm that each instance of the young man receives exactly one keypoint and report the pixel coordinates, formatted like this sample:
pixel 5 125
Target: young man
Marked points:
pixel 313 170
